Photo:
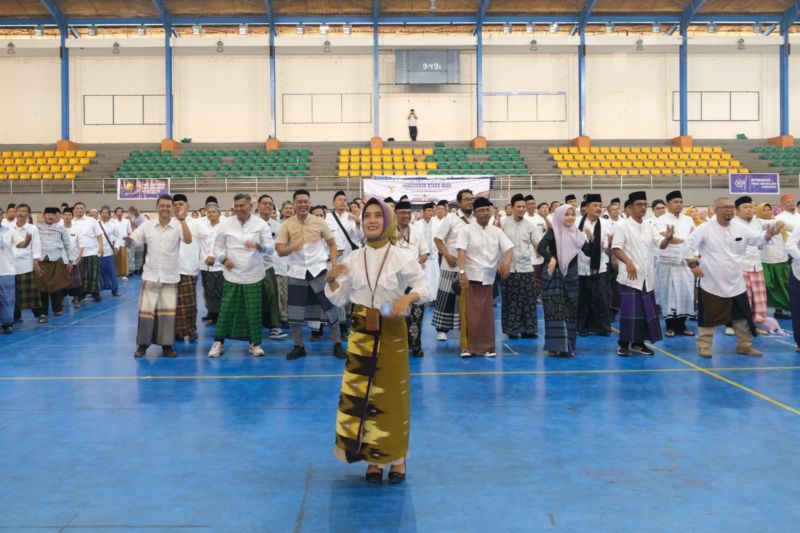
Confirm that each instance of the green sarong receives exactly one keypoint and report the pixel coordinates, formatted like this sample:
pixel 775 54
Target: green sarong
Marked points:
pixel 776 278
pixel 240 313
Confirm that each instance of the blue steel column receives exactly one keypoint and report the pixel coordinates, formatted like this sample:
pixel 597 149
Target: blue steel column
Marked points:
pixel 273 110
pixel 582 83
pixel 683 74
pixel 168 85
pixel 64 84
pixel 376 111
pixel 784 80
pixel 479 84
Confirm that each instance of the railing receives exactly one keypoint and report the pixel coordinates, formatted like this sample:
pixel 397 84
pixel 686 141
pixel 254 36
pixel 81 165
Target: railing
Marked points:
pixel 530 182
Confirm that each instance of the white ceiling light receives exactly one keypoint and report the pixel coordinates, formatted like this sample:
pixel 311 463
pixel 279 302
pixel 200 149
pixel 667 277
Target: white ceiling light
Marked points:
pixel 656 27
pixel 507 29
pixel 326 47
pixel 534 46
pixel 609 27
pixel 300 29
pixel 220 47
pixel 244 29
pixel 712 27
pixel 141 30
pixel 757 28
pixel 554 27
pixel 324 29
pixel 196 29
pixel 530 27
pixel 347 29
pixel 92 31
pixel 38 31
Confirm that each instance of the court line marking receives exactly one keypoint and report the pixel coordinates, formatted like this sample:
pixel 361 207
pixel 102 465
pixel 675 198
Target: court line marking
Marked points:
pixel 510 349
pixel 714 375
pixel 413 374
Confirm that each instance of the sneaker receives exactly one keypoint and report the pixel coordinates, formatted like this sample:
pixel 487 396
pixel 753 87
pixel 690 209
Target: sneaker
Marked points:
pixel 43 319
pixel 256 350
pixel 338 351
pixel 730 332
pixel 141 351
pixel 216 350
pixel 124 278
pixel 441 336
pixel 277 334
pixel 641 349
pixel 490 354
pixel 465 353
pixel 623 351
pixel 116 294
pixel 296 353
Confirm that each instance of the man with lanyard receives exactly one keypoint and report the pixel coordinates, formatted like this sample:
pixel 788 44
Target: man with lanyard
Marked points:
pixel 425 227
pixel 270 309
pixel 159 294
pixel 410 239
pixel 721 243
pixel 518 314
pixel 593 314
pixel 189 259
pixel 347 234
pixel 632 245
pixel 303 238
pixel 108 274
pixel 240 244
pixel 26 261
pixel 55 275
pixel 90 243
pixel 674 280
pixel 446 313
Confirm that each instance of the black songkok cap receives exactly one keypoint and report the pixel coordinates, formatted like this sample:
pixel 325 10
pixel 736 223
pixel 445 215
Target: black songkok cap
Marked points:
pixel 443 202
pixel 481 201
pixel 67 210
pixel 402 204
pixel 743 200
pixel 180 198
pixel 428 205
pixel 569 198
pixel 212 200
pixel 674 194
pixel 583 204
pixel 614 201
pixel 528 197
pixel 518 198
pixel 657 202
pixel 628 203
pixel 51 210
pixel 636 196
pixel 388 200
pixel 592 197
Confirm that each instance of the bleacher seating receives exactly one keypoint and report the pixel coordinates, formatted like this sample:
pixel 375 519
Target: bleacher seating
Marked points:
pixel 644 161
pixel 44 164
pixel 215 163
pixel 785 160
pixel 438 160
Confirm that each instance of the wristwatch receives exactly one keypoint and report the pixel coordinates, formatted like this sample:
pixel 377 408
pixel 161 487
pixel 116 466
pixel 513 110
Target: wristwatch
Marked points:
pixel 462 271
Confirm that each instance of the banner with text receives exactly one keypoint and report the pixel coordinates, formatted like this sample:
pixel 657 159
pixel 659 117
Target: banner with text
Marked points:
pixel 142 188
pixel 755 184
pixel 424 189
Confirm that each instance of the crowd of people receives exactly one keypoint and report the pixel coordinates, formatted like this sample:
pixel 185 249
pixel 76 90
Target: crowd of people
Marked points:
pixel 366 270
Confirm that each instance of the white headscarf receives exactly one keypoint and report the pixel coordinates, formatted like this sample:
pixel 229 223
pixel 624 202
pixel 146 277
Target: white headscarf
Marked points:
pixel 569 239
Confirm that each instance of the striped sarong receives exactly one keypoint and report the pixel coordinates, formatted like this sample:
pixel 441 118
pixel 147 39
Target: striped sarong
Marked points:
pixel 638 315
pixel 307 301
pixel 212 290
pixel 90 274
pixel 27 294
pixel 446 314
pixel 157 302
pixel 186 310
pixel 8 296
pixel 240 314
pixel 757 294
pixel 283 297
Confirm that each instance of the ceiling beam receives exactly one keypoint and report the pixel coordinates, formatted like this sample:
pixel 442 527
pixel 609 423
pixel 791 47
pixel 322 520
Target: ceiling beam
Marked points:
pixel 480 16
pixel 55 11
pixel 791 14
pixel 162 10
pixel 270 16
pixel 688 15
pixel 586 12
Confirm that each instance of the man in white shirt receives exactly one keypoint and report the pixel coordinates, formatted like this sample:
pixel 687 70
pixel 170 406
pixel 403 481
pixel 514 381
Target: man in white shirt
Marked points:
pixel 75 285
pixel 159 295
pixel 8 273
pixel 90 243
pixel 425 227
pixel 26 264
pixel 632 245
pixel 189 260
pixel 534 214
pixel 240 244
pixel 593 314
pixel 270 309
pixel 790 215
pixel 483 252
pixel 518 314
pixel 55 265
pixel 107 269
pixel 347 233
pixel 410 239
pixel 752 270
pixel 722 245
pixel 120 250
pixel 446 313
pixel 10 217
pixel 211 270
pixel 674 280
pixel 412 125
pixel 793 250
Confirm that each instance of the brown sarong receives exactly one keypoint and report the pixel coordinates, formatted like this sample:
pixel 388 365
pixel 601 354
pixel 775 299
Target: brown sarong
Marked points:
pixel 55 276
pixel 479 308
pixel 715 310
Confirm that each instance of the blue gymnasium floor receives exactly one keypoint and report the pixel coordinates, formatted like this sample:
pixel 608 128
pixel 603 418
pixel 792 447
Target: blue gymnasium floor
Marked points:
pixel 91 439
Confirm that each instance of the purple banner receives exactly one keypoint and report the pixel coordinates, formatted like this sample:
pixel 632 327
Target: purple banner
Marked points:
pixel 755 184
pixel 142 188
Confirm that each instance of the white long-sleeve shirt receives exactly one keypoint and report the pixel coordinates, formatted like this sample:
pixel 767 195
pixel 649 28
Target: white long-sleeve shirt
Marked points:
pixel 675 254
pixel 413 242
pixel 400 271
pixel 350 230
pixel 8 242
pixel 792 220
pixel 637 241
pixel 425 229
pixel 24 257
pixel 163 245
pixel 88 230
pixel 751 262
pixel 793 249
pixel 721 250
pixel 540 223
pixel 114 235
pixel 448 232
pixel 190 258
pixel 774 251
pixel 523 235
pixel 207 247
pixel 248 265
pixel 584 261
pixel 484 247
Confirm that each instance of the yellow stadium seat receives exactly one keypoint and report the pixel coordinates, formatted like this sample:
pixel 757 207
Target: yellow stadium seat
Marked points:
pixel 397 158
pixel 409 166
pixel 344 152
pixel 365 166
pixel 16 153
pixel 376 158
pixel 397 151
pixel 24 176
pixel 552 151
pixel 3 176
pixel 558 157
pixel 58 175
pixel 656 149
pixel 70 153
pixel 583 164
pixel 27 153
pixel 399 172
pixel 562 165
pixel 583 150
pixel 614 149
pixel 600 172
pixel 342 173
pixel 407 151
pixel 567 172
pixel 743 170
pixel 605 164
pixel 47 176
pixel 422 172
pixel 622 172
pixel 583 157
pixel 386 151
pixel 430 165
pixel 13 176
pixel 365 151
pixel 605 150
pixel 354 166
pixel 573 150
pixel 594 150
pixel 408 158
pixel 375 151
pixel 646 150
pixel 6 153
pixel 377 166
pixel 343 166
pixel 563 150
pixel 80 153
pixel 417 151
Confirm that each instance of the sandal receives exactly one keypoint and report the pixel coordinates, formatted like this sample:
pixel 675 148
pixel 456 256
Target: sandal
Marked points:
pixel 669 333
pixel 396 477
pixel 374 476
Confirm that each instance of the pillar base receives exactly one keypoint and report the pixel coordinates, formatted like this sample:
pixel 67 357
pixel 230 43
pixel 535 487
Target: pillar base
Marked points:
pixel 783 141
pixel 273 144
pixel 684 141
pixel 65 144
pixel 376 143
pixel 479 142
pixel 584 141
pixel 170 145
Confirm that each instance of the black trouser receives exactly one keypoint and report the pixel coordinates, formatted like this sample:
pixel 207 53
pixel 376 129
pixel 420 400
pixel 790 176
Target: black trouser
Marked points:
pixel 18 313
pixel 678 325
pixel 55 299
pixel 412 132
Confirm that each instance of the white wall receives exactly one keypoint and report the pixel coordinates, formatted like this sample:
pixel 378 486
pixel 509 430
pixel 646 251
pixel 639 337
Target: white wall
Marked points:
pixel 221 97
pixel 30 100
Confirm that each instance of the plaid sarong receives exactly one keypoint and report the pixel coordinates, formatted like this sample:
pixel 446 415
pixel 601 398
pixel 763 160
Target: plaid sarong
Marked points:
pixel 638 315
pixel 157 303
pixel 240 314
pixel 283 297
pixel 757 294
pixel 7 298
pixel 270 313
pixel 186 311
pixel 445 314
pixel 27 294
pixel 307 301
pixel 90 274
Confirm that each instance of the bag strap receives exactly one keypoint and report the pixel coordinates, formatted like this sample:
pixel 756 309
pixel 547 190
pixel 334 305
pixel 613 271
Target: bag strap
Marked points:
pixel 347 236
pixel 378 277
pixel 106 234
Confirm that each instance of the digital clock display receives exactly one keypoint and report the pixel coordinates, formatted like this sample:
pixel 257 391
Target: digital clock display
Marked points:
pixel 426 67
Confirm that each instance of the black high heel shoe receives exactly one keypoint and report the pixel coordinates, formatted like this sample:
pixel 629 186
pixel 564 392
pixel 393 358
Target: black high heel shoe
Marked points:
pixel 396 477
pixel 375 477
